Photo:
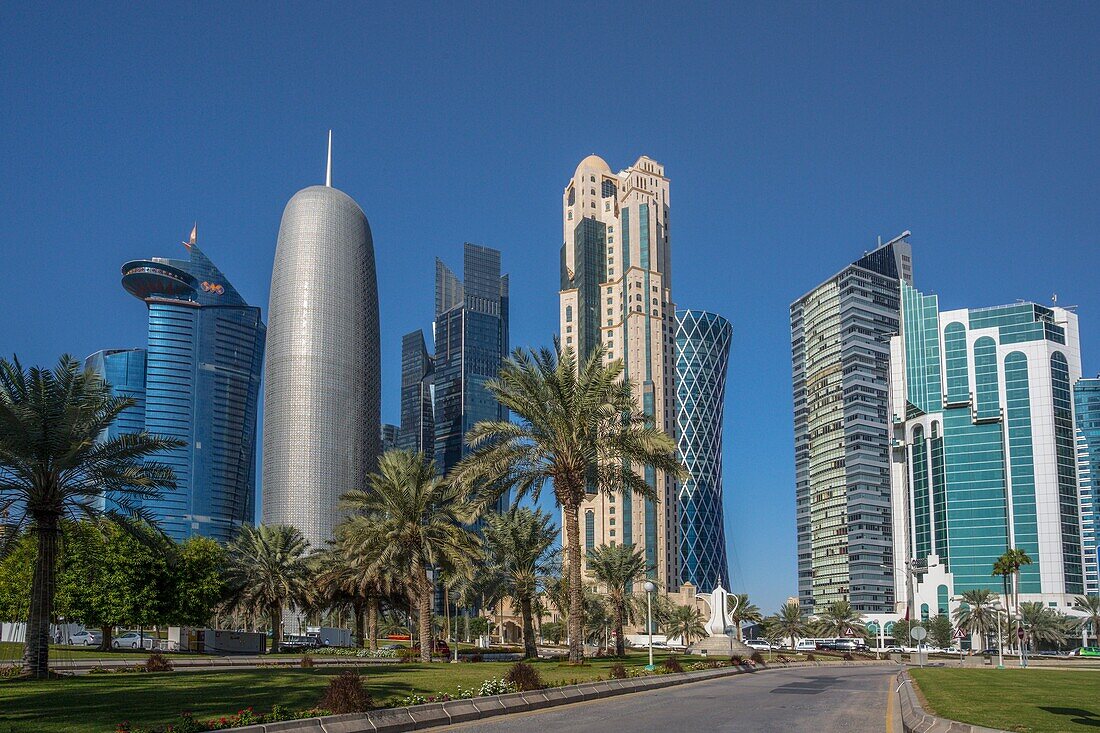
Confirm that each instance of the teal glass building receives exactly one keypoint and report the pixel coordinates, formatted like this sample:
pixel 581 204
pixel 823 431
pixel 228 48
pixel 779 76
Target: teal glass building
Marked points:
pixel 702 360
pixel 202 367
pixel 1086 401
pixel 983 451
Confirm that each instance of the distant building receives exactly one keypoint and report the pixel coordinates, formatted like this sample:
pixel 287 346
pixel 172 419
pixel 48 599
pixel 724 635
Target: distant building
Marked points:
pixel 983 451
pixel 1086 396
pixel 201 386
pixel 322 389
pixel 124 370
pixel 389 436
pixel 840 353
pixel 471 342
pixel 616 289
pixel 417 393
pixel 702 360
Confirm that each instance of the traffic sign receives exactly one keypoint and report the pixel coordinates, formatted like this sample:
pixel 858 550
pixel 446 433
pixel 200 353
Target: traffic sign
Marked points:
pixel 960 634
pixel 1020 633
pixel 918 632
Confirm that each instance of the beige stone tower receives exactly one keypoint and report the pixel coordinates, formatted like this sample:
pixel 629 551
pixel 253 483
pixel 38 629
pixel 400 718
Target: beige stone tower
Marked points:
pixel 616 289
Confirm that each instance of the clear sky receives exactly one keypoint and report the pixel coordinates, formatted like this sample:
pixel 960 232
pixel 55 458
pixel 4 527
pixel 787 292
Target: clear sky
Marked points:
pixel 794 135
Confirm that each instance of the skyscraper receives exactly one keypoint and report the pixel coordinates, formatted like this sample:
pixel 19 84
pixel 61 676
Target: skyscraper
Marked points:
pixel 471 341
pixel 417 412
pixel 322 395
pixel 1086 401
pixel 983 455
pixel 124 370
pixel 616 288
pixel 840 358
pixel 201 386
pixel 389 436
pixel 702 359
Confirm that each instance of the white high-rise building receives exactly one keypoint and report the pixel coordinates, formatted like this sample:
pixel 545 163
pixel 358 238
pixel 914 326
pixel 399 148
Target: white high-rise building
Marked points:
pixel 616 289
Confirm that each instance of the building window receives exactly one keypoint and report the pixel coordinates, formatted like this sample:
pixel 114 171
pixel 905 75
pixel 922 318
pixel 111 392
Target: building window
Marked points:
pixel 568 314
pixel 569 329
pixel 570 215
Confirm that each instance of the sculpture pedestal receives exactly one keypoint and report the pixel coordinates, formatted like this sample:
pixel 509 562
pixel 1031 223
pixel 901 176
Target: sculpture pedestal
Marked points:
pixel 720 646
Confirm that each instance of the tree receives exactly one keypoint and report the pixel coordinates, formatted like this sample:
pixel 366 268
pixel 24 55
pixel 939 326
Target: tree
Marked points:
pixel 55 461
pixel 267 571
pixel 199 581
pixel 1091 606
pixel 553 631
pixel 519 545
pixel 900 631
pixel 409 517
pixel 1011 561
pixel 616 567
pixel 789 621
pixel 941 632
pixel 347 578
pixel 685 622
pixel 977 613
pixel 1041 623
pixel 745 613
pixel 580 428
pixel 840 619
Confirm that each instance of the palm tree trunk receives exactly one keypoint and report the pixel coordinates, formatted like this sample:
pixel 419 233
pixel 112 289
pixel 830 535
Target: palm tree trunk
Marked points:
pixel 530 651
pixel 36 654
pixel 424 607
pixel 359 625
pixel 620 646
pixel 276 617
pixel 576 594
pixel 372 622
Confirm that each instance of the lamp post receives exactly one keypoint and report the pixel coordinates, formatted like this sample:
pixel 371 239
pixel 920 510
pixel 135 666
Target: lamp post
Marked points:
pixel 1000 646
pixel 649 588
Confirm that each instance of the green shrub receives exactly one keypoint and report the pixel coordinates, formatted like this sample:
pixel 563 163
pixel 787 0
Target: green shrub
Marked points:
pixel 157 662
pixel 736 660
pixel 811 658
pixel 346 694
pixel 672 664
pixel 617 671
pixel 758 658
pixel 524 677
pixel 307 662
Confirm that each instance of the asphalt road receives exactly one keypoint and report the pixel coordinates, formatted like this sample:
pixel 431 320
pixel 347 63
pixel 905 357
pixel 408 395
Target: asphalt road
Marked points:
pixel 817 699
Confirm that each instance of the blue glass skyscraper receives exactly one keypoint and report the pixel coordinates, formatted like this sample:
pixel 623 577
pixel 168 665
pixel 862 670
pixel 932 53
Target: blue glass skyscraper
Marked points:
pixel 1086 398
pixel 124 370
pixel 202 378
pixel 702 359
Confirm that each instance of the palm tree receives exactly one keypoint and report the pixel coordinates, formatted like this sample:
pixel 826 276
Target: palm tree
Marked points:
pixel 56 461
pixel 840 619
pixel 580 428
pixel 977 613
pixel 789 621
pixel 1012 560
pixel 745 613
pixel 411 518
pixel 267 571
pixel 519 545
pixel 616 567
pixel 1091 606
pixel 1041 623
pixel 348 579
pixel 686 622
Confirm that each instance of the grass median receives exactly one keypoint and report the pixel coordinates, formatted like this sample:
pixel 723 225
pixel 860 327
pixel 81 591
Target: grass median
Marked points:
pixel 98 703
pixel 1018 700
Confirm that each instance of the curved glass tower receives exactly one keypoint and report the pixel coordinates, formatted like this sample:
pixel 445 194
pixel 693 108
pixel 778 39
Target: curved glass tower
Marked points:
pixel 702 358
pixel 322 394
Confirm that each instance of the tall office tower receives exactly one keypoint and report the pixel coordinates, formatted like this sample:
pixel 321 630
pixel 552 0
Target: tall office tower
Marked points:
pixel 389 436
pixel 1086 403
pixel 983 454
pixel 471 341
pixel 322 395
pixel 840 354
pixel 702 360
pixel 616 288
pixel 417 414
pixel 124 370
pixel 202 386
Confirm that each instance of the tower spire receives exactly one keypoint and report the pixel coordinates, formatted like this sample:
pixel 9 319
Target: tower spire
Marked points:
pixel 328 169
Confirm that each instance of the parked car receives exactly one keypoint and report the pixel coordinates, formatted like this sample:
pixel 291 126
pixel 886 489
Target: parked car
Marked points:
pixel 132 640
pixel 1086 651
pixel 84 638
pixel 760 645
pixel 805 645
pixel 893 650
pixel 441 648
pixel 298 643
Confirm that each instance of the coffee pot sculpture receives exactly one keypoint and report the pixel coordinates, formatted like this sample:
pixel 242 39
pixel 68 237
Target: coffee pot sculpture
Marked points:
pixel 722 607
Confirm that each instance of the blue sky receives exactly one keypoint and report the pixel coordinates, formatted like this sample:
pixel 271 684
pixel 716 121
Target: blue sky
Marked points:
pixel 794 135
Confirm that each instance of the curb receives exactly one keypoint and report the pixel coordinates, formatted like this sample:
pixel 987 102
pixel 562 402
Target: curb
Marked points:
pixel 914 719
pixel 430 715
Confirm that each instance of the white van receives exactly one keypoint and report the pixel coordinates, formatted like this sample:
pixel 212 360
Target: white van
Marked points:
pixel 806 645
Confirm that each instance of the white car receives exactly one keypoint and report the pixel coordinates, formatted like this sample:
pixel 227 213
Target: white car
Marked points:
pixel 131 640
pixel 84 638
pixel 805 645
pixel 760 645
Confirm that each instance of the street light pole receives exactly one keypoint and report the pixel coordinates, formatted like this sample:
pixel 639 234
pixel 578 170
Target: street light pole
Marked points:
pixel 649 588
pixel 1000 646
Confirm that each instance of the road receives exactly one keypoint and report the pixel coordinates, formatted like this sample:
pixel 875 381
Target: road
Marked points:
pixel 818 699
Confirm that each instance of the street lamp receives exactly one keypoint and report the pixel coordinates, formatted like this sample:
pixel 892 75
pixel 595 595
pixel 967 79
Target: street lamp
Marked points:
pixel 1000 646
pixel 649 588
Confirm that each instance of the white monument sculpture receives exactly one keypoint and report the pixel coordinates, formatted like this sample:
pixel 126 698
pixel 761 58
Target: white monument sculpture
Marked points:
pixel 721 628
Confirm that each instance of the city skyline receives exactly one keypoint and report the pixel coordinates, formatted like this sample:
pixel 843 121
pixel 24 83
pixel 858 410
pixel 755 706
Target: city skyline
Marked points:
pixel 786 165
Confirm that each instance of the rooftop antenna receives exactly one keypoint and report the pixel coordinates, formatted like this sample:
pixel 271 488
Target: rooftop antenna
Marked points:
pixel 1054 299
pixel 194 235
pixel 328 168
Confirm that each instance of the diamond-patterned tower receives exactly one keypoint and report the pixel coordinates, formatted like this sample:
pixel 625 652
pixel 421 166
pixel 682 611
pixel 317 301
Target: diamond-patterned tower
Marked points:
pixel 702 358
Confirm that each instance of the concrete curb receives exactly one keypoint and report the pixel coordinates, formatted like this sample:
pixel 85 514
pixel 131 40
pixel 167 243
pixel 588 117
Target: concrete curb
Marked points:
pixel 429 715
pixel 914 719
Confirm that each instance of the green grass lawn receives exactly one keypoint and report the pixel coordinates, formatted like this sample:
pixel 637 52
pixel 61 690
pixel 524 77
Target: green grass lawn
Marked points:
pixel 11 652
pixel 1027 701
pixel 97 703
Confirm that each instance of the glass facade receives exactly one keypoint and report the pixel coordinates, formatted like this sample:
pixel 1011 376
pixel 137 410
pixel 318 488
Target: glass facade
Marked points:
pixel 1086 397
pixel 471 342
pixel 201 386
pixel 417 431
pixel 702 361
pixel 124 371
